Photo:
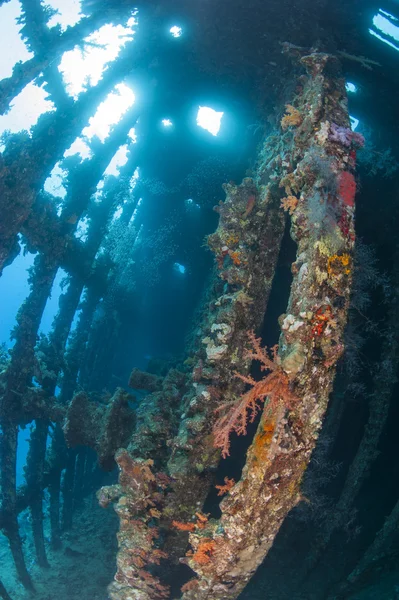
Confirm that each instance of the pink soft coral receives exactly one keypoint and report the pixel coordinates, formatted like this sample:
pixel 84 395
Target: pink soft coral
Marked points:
pixel 274 386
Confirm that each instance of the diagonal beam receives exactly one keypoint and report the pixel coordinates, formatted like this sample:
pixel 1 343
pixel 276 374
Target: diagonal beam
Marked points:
pixel 24 73
pixel 8 461
pixel 3 592
pixel 26 163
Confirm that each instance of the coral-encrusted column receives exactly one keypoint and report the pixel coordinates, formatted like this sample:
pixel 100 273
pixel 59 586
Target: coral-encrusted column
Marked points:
pixel 319 158
pixel 140 496
pixel 246 245
pixel 34 479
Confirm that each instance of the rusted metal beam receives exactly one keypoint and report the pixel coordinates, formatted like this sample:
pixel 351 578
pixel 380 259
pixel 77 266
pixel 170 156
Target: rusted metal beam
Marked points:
pixel 24 73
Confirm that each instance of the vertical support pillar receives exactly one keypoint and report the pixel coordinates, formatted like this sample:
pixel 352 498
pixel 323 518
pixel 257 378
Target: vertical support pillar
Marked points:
pixel 8 461
pixel 54 489
pixel 34 479
pixel 56 459
pixel 76 351
pixel 67 490
pixel 79 474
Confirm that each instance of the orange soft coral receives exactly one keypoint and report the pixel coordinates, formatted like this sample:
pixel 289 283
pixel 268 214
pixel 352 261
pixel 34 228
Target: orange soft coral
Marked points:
pixel 183 526
pixel 289 204
pixel 293 118
pixel 235 257
pixel 224 489
pixel 200 523
pixel 204 551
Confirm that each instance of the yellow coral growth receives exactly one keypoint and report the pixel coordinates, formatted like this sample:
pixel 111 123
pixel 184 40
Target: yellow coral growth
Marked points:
pixel 339 264
pixel 263 439
pixel 289 204
pixel 293 118
pixel 231 239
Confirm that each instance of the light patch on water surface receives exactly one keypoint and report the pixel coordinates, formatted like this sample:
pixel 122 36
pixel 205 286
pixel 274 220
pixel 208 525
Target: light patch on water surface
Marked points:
pixel 167 123
pixel 82 229
pixel 109 112
pixel 54 183
pixel 134 178
pixel 68 13
pixel 25 110
pixel 354 122
pixel 118 160
pixel 179 268
pixel 351 87
pixel 176 31
pixel 51 307
pixel 132 135
pixel 209 119
pixel 79 146
pixel 134 215
pixel 97 196
pixel 387 23
pixel 82 69
pixel 15 279
pixel 117 214
pixel 386 28
pixel 24 434
pixel 14 49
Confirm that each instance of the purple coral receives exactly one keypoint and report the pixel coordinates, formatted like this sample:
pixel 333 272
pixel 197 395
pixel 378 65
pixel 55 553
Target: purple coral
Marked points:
pixel 345 136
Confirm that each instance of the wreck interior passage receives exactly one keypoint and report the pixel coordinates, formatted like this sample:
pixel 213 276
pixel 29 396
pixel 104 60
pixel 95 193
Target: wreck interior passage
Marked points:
pixel 199 280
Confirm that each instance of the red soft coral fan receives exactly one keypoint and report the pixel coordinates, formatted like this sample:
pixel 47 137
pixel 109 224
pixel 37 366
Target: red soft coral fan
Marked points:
pixel 347 188
pixel 274 386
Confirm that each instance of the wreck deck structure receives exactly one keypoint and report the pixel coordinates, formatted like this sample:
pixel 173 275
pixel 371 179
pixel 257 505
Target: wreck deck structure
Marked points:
pixel 169 445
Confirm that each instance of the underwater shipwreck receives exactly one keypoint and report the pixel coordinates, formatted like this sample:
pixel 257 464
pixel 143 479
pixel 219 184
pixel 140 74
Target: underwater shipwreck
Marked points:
pixel 211 410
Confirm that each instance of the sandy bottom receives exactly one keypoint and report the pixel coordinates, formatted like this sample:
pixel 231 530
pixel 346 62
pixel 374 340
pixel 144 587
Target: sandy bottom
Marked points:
pixel 80 570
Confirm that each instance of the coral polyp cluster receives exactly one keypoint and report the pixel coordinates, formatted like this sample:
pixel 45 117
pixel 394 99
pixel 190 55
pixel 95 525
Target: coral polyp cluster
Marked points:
pixel 292 118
